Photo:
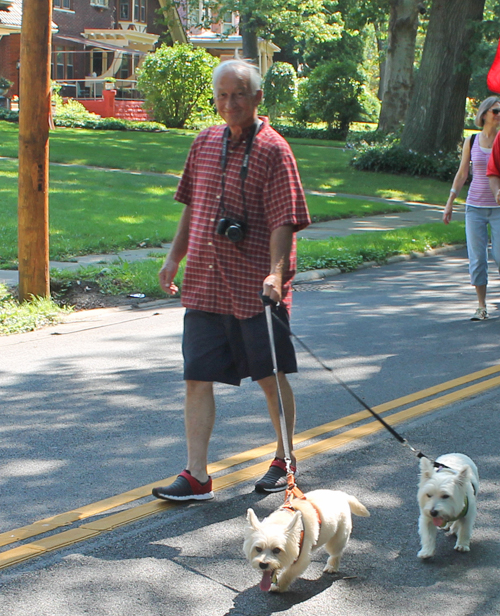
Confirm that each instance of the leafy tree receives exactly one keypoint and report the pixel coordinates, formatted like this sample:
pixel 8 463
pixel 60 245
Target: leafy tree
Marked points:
pixel 311 20
pixel 279 89
pixel 331 94
pixel 176 83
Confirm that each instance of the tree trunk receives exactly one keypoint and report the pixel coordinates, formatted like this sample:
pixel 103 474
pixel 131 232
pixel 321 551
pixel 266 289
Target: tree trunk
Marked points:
pixel 249 38
pixel 398 74
pixel 436 114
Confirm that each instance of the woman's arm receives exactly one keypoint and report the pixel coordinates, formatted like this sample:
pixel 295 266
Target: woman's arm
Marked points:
pixel 459 180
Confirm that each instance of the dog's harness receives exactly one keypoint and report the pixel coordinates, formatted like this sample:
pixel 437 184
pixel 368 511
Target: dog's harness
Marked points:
pixel 293 490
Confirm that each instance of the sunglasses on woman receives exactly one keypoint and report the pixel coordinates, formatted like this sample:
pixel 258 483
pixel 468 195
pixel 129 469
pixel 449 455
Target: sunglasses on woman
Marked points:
pixel 496 111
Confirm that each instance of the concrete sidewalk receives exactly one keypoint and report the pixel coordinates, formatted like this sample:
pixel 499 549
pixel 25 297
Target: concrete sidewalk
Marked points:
pixel 420 213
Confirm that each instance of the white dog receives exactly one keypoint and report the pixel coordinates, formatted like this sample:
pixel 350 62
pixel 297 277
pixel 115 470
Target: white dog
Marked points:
pixel 447 499
pixel 280 546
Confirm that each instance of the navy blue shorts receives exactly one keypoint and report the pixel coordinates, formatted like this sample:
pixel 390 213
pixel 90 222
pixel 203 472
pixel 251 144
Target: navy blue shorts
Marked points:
pixel 221 348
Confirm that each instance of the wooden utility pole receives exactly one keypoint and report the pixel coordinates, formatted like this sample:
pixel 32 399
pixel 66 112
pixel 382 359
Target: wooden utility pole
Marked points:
pixel 34 110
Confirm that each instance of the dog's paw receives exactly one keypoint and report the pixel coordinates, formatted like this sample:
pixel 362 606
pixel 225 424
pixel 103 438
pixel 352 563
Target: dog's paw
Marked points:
pixel 330 569
pixel 425 553
pixel 278 588
pixel 462 548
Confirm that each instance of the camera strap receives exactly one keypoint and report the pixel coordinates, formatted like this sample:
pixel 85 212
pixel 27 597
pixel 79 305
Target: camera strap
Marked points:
pixel 244 166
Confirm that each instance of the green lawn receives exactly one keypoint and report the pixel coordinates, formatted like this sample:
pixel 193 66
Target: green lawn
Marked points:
pixel 322 166
pixel 93 211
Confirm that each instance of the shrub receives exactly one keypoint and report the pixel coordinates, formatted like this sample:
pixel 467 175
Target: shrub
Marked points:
pixel 9 116
pixel 392 158
pixel 331 94
pixel 93 122
pixel 176 82
pixel 279 89
pixel 306 132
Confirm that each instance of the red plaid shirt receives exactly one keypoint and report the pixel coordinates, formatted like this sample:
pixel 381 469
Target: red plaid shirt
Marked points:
pixel 221 276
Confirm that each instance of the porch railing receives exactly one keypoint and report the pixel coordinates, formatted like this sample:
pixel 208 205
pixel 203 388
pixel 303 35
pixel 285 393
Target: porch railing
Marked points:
pixel 92 88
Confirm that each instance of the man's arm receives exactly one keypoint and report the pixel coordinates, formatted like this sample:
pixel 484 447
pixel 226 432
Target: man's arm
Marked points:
pixel 493 170
pixel 280 246
pixel 495 187
pixel 177 252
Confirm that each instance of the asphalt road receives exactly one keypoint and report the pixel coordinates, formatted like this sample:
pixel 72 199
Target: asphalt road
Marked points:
pixel 92 409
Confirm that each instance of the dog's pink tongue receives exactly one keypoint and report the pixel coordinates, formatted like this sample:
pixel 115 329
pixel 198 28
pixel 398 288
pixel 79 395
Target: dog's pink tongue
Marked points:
pixel 437 521
pixel 265 583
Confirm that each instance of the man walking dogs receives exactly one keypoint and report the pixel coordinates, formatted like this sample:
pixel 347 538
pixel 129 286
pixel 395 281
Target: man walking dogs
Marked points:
pixel 243 204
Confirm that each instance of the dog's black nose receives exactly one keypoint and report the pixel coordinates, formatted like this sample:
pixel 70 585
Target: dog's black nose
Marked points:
pixel 263 565
pixel 434 513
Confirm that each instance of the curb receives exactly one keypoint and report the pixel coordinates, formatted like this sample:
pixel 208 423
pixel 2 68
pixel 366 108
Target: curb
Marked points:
pixel 326 273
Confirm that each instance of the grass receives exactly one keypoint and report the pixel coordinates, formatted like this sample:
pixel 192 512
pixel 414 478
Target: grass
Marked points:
pixel 16 318
pixel 345 253
pixel 92 211
pixel 95 211
pixel 120 276
pixel 322 165
pixel 98 211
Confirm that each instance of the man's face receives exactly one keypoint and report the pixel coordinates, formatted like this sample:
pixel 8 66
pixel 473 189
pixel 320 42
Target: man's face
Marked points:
pixel 234 100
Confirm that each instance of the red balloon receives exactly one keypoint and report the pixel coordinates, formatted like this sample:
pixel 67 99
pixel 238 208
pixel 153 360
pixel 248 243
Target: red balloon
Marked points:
pixel 493 80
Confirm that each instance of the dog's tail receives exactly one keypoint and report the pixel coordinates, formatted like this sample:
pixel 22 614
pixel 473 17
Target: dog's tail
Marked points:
pixel 356 507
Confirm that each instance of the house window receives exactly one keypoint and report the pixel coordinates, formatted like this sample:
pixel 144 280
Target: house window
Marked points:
pixel 63 4
pixel 124 10
pixel 227 22
pixel 143 11
pixel 101 3
pixel 136 10
pixel 62 63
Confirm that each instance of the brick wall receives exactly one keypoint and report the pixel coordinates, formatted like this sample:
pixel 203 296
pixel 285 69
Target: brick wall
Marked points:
pixel 108 107
pixel 9 55
pixel 83 15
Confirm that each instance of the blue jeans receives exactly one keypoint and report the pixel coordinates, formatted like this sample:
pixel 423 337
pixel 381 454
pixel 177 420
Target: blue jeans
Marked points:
pixel 476 230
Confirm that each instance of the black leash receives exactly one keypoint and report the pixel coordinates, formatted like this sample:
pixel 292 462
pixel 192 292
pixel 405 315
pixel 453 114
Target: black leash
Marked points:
pixel 394 433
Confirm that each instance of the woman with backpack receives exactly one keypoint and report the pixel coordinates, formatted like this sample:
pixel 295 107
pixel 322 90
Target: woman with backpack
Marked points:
pixel 481 207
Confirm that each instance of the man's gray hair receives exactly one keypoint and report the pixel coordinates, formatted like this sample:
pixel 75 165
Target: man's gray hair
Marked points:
pixel 242 68
pixel 483 108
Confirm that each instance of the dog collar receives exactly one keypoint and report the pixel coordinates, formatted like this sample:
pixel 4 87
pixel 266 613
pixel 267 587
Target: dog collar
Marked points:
pixel 461 515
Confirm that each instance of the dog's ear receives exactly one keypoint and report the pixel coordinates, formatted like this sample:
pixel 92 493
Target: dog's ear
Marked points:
pixel 464 476
pixel 297 517
pixel 253 520
pixel 426 469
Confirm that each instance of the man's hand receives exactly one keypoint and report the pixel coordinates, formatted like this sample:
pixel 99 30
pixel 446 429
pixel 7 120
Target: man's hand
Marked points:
pixel 273 287
pixel 497 197
pixel 166 277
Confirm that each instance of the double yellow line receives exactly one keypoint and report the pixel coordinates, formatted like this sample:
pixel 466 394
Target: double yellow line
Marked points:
pixel 457 391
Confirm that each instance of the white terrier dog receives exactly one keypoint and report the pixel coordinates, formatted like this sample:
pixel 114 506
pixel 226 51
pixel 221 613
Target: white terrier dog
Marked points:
pixel 447 499
pixel 280 546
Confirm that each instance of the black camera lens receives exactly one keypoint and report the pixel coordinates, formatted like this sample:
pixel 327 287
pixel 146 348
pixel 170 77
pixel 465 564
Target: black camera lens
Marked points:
pixel 235 232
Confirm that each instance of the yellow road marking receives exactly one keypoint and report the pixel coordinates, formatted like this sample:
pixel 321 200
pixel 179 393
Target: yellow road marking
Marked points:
pixel 91 529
